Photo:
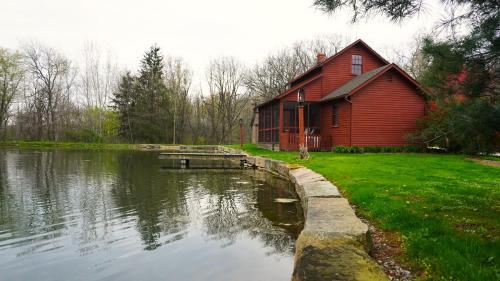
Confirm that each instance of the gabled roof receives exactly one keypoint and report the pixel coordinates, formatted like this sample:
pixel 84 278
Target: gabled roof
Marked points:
pixel 290 90
pixel 319 65
pixel 356 84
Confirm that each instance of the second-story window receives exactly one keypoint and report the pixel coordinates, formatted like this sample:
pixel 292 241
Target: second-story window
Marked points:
pixel 357 65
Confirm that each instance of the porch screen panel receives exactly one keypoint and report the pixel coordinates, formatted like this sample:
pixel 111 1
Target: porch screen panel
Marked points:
pixel 312 117
pixel 264 124
pixel 261 124
pixel 269 123
pixel 290 117
pixel 276 123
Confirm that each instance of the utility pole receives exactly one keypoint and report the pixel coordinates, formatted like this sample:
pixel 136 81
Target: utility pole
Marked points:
pixel 241 133
pixel 175 113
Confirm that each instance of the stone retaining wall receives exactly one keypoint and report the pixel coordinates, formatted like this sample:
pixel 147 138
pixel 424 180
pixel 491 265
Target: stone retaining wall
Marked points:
pixel 270 146
pixel 334 243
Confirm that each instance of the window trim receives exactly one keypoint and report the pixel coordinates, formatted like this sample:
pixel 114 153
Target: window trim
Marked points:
pixel 356 60
pixel 335 114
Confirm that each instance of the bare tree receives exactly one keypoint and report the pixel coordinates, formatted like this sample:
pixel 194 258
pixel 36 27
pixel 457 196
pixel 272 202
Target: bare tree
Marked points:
pixel 198 121
pixel 11 74
pixel 98 80
pixel 49 81
pixel 409 56
pixel 304 52
pixel 31 111
pixel 270 77
pixel 227 97
pixel 178 78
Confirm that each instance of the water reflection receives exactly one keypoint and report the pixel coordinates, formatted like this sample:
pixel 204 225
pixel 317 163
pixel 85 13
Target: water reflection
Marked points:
pixel 70 215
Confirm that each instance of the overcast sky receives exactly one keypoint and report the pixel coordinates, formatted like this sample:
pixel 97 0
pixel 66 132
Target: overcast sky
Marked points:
pixel 195 30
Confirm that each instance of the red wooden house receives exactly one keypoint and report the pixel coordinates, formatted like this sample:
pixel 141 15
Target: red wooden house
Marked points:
pixel 353 98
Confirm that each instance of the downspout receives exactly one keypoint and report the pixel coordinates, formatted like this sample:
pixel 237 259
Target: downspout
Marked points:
pixel 346 98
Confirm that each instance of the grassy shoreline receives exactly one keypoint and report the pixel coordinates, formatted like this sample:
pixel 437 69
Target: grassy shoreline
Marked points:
pixel 67 145
pixel 445 209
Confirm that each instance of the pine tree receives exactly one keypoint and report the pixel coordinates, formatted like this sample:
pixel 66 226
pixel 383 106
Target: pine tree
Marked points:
pixel 124 102
pixel 143 102
pixel 153 124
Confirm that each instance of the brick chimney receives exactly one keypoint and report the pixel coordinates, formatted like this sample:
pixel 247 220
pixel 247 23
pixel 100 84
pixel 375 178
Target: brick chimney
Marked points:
pixel 320 57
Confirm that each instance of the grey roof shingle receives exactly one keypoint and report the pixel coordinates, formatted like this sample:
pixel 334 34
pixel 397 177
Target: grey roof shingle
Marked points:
pixel 354 83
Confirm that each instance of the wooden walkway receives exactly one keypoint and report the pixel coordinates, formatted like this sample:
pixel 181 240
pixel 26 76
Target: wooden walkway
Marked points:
pixel 201 156
pixel 186 157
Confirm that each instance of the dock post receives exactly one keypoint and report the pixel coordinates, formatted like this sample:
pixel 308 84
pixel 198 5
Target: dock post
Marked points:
pixel 185 163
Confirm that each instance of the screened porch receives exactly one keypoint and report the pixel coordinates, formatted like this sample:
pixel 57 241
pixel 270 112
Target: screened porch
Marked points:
pixel 271 131
pixel 291 126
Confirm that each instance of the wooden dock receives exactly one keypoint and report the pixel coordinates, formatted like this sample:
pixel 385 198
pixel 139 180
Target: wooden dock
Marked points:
pixel 185 157
pixel 200 156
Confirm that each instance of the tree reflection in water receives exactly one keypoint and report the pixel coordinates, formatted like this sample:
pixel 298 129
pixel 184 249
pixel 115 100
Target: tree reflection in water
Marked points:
pixel 76 211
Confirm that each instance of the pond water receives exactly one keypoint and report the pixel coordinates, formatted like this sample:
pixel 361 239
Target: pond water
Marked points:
pixel 121 215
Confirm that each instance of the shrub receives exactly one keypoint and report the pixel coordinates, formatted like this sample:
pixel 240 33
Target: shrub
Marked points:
pixel 348 149
pixel 377 149
pixel 355 149
pixel 341 149
pixel 471 127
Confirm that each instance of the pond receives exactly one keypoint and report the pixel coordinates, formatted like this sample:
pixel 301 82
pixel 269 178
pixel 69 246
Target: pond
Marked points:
pixel 122 215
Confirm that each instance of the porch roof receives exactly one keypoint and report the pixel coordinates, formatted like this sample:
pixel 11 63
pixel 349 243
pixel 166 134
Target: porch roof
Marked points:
pixel 289 91
pixel 354 83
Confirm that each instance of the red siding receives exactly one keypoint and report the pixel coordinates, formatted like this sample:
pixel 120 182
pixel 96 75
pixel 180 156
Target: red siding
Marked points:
pixel 338 71
pixel 338 134
pixel 313 91
pixel 385 112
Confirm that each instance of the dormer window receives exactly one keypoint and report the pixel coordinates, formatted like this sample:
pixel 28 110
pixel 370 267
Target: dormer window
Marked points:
pixel 357 65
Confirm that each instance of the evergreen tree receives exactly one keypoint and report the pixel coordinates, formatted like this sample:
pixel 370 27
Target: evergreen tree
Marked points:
pixel 143 102
pixel 124 102
pixel 153 124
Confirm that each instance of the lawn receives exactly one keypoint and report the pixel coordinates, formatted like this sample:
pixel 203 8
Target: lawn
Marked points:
pixel 444 208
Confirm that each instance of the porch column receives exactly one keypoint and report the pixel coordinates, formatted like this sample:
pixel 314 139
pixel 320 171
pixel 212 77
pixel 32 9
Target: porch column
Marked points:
pixel 280 133
pixel 301 125
pixel 301 98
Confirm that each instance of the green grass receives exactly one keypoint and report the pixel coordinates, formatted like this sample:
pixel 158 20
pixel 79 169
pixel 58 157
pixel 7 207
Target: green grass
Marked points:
pixel 445 208
pixel 66 145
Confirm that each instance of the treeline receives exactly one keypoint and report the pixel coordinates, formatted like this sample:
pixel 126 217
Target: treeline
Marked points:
pixel 46 96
